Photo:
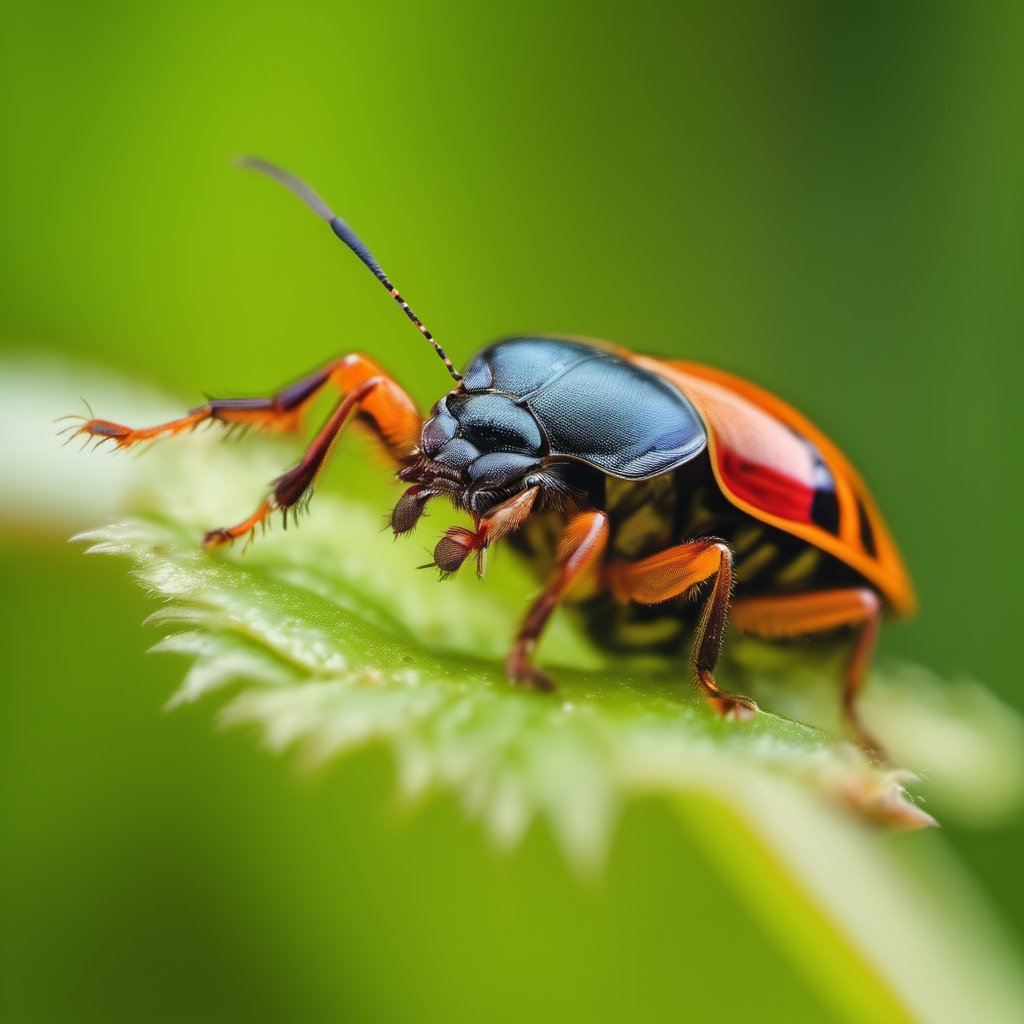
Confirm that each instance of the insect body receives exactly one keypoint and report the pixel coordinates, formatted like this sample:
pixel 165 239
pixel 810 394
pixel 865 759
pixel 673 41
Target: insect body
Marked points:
pixel 633 483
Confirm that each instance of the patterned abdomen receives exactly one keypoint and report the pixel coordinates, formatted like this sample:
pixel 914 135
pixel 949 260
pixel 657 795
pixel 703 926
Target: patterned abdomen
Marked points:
pixel 649 516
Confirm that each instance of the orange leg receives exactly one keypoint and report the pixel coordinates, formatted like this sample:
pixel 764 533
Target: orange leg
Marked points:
pixel 799 614
pixel 458 543
pixel 391 411
pixel 579 551
pixel 384 408
pixel 677 571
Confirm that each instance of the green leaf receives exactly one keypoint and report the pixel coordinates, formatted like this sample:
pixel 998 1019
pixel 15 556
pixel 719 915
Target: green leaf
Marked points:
pixel 338 642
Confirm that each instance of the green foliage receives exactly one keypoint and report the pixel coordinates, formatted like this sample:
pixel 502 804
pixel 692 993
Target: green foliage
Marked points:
pixel 334 641
pixel 823 198
pixel 325 640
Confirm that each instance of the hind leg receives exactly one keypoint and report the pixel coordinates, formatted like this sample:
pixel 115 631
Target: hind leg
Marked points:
pixel 800 614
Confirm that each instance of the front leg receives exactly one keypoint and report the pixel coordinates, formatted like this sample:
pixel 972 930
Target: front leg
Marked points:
pixel 385 410
pixel 392 413
pixel 675 572
pixel 579 551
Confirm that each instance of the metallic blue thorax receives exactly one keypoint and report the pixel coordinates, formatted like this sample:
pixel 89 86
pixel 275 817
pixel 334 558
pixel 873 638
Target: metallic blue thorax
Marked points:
pixel 528 402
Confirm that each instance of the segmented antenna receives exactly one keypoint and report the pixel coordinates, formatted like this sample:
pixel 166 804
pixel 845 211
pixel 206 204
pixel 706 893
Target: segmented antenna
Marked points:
pixel 349 237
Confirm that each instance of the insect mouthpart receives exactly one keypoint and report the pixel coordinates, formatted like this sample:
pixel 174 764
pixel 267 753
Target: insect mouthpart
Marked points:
pixel 406 514
pixel 454 548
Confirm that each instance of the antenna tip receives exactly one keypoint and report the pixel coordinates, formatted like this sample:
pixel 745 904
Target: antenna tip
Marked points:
pixel 251 163
pixel 294 185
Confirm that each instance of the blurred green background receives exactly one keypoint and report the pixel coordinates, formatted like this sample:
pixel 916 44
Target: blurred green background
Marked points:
pixel 824 198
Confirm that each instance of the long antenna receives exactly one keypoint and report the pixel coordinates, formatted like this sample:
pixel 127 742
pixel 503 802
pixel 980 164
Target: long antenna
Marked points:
pixel 348 236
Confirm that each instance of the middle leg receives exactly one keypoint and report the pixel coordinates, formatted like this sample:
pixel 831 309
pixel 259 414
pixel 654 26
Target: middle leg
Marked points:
pixel 677 571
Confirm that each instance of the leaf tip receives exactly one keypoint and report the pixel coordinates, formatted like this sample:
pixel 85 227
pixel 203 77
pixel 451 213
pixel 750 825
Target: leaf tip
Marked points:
pixel 887 804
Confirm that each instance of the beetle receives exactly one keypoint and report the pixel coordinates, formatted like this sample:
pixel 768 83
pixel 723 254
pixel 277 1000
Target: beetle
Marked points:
pixel 633 484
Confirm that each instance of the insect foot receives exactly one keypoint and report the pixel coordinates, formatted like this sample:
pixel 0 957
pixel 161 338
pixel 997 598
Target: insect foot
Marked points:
pixel 521 673
pixel 246 528
pixel 731 706
pixel 734 708
pixel 217 538
pixel 102 431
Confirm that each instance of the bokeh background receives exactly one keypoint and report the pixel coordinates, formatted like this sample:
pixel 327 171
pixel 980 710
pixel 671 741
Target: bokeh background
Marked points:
pixel 825 198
